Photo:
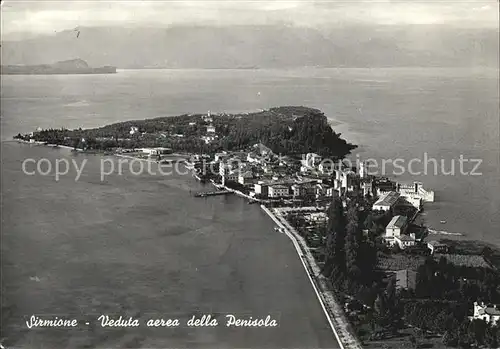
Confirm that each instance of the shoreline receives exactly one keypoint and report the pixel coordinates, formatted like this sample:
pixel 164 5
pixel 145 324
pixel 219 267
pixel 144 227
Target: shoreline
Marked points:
pixel 431 230
pixel 332 309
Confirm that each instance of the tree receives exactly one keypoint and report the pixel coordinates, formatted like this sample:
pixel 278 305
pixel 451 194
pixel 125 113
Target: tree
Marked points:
pixel 490 338
pixel 390 292
pixel 335 241
pixel 382 311
pixel 75 143
pixel 353 242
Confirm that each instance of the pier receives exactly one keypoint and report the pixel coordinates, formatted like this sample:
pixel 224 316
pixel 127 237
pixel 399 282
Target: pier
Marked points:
pixel 212 193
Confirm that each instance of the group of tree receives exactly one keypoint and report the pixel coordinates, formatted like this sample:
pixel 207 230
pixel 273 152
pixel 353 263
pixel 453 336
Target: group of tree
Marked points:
pixel 286 130
pixel 443 298
pixel 443 295
pixel 387 310
pixel 450 319
pixel 444 280
pixel 349 255
pixel 476 333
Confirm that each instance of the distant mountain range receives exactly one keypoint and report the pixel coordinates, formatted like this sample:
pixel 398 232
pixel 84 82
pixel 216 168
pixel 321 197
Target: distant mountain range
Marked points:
pixel 72 66
pixel 270 46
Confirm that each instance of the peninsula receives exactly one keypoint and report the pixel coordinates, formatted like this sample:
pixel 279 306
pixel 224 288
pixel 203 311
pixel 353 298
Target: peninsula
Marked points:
pixel 73 66
pixel 382 277
pixel 290 130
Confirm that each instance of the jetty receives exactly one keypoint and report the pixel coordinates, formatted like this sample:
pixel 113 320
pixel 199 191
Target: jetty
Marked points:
pixel 212 193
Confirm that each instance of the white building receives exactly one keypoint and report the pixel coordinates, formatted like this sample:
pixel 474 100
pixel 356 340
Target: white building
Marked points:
pixel 267 168
pixel 312 159
pixel 231 176
pixel 208 139
pixel 245 177
pixel 261 188
pixel 156 151
pixel 437 247
pixel 367 188
pixel 405 241
pixel 309 162
pixel 304 189
pixel 253 158
pixel 488 313
pixel 324 190
pixel 318 217
pixel 344 181
pixel 396 227
pixel 278 191
pixel 224 168
pixel 221 156
pixel 326 167
pixel 416 190
pixel 362 170
pixel 134 130
pixel 210 129
pixel 395 230
pixel 296 190
pixel 208 117
pixel 386 201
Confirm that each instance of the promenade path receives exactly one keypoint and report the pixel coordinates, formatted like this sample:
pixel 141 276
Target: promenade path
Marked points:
pixel 331 307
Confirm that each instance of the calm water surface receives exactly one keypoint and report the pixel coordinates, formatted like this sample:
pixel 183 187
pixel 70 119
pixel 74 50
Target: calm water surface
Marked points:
pixel 142 245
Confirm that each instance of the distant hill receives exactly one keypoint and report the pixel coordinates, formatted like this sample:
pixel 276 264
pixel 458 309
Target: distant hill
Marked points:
pixel 263 46
pixel 72 66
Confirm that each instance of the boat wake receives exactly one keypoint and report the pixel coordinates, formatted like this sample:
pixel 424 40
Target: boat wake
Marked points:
pixel 443 232
pixel 82 103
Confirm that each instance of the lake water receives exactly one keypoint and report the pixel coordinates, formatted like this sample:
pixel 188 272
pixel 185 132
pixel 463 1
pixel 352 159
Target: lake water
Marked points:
pixel 143 245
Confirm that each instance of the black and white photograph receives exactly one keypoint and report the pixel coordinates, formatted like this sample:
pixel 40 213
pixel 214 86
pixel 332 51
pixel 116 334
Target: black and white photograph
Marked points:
pixel 254 174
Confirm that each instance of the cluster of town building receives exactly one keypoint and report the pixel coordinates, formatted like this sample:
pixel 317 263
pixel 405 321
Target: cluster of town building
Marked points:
pixel 273 176
pixel 269 176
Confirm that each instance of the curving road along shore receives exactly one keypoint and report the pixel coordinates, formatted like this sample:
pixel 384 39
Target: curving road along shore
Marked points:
pixel 332 309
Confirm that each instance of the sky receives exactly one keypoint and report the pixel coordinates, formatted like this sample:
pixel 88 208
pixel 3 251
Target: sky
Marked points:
pixel 45 17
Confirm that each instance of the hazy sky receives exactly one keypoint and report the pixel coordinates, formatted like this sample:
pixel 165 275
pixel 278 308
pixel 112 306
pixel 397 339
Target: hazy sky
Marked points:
pixel 49 16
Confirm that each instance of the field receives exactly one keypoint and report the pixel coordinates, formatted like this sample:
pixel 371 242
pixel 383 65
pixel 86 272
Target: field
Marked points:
pixel 395 262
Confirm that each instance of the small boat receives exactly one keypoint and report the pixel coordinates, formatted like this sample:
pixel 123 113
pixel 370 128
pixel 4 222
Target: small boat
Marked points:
pixel 442 222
